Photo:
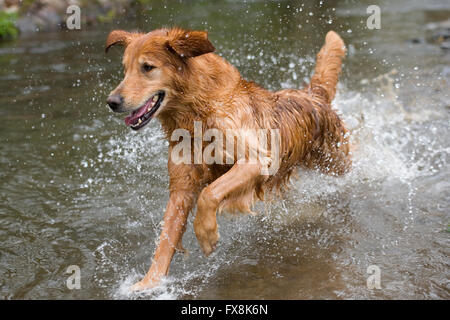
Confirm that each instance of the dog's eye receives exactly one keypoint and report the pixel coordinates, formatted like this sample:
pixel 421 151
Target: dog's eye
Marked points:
pixel 146 67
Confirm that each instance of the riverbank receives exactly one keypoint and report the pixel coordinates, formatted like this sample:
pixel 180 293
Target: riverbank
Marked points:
pixel 24 17
pixel 21 17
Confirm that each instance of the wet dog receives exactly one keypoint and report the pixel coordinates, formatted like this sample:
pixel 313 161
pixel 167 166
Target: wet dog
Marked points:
pixel 174 76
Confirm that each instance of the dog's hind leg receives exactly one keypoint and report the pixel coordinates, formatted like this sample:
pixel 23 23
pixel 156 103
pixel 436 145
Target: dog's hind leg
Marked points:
pixel 240 177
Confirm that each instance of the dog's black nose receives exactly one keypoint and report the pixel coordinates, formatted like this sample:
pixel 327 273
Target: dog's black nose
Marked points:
pixel 115 102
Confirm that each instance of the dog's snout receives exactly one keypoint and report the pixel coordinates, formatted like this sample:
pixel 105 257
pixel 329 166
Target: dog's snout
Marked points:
pixel 115 102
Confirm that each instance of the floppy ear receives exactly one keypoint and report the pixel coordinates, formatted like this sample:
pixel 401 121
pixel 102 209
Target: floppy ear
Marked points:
pixel 119 37
pixel 189 44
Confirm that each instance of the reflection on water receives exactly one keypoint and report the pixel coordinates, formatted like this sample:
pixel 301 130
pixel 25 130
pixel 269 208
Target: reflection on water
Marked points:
pixel 78 188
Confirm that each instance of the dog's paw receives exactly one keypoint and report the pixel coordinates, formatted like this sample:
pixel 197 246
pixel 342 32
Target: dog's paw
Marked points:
pixel 209 243
pixel 143 285
pixel 207 236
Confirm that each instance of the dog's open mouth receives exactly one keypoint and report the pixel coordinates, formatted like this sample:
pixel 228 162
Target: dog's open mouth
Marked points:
pixel 140 117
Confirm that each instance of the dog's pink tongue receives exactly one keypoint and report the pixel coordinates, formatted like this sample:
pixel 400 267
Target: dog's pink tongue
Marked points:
pixel 135 115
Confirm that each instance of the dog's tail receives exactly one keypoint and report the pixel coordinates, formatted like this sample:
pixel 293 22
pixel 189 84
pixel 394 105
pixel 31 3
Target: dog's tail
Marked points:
pixel 328 67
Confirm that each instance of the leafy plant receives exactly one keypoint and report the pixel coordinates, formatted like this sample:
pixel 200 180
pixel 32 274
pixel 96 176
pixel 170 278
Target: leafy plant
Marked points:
pixel 8 29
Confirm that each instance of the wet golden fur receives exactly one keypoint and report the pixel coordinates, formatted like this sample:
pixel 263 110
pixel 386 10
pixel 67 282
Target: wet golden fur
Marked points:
pixel 202 86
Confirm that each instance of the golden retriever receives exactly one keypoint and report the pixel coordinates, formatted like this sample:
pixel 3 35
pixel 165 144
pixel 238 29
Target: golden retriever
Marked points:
pixel 173 75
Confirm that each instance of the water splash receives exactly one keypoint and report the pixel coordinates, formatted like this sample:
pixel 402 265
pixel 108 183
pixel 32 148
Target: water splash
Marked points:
pixel 393 148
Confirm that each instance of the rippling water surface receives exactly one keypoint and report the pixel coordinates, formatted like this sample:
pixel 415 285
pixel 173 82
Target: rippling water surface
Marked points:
pixel 79 188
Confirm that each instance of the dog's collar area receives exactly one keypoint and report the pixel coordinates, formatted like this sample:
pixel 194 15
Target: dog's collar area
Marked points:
pixel 142 116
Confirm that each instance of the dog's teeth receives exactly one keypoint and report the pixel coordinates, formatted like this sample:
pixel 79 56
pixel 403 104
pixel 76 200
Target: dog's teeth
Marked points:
pixel 139 121
pixel 154 98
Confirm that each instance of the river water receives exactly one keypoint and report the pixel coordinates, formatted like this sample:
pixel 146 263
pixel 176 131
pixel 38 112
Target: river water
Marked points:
pixel 79 188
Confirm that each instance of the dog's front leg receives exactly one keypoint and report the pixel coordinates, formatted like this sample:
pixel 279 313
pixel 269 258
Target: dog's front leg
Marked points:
pixel 185 181
pixel 174 224
pixel 240 177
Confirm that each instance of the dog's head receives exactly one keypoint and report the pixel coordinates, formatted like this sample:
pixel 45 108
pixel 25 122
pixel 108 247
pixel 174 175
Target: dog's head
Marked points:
pixel 153 63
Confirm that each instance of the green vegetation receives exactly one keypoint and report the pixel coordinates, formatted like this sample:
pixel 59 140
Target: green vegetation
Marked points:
pixel 8 29
pixel 108 17
pixel 25 5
